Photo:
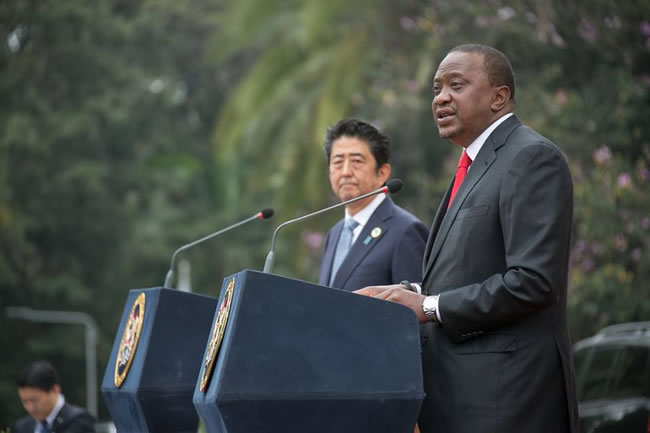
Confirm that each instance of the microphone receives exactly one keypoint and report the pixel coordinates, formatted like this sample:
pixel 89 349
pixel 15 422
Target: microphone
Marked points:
pixel 392 186
pixel 261 215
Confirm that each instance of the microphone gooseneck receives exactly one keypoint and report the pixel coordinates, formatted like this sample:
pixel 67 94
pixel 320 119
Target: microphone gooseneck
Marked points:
pixel 263 214
pixel 391 187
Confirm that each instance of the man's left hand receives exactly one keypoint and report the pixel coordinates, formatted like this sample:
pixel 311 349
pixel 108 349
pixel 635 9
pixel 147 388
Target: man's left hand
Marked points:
pixel 397 293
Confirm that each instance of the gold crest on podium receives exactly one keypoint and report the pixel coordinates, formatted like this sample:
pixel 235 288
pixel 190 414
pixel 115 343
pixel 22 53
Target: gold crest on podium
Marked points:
pixel 129 342
pixel 216 335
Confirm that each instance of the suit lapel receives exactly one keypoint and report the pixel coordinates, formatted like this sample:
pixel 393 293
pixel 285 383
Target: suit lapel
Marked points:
pixel 360 248
pixel 437 220
pixel 484 160
pixel 60 418
pixel 328 255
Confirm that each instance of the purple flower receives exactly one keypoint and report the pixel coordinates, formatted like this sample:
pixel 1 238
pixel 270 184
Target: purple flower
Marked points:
pixel 624 180
pixel 588 30
pixel 603 155
pixel 645 223
pixel 581 246
pixel 612 22
pixel 636 254
pixel 407 23
pixel 643 173
pixel 506 13
pixel 587 265
pixel 596 248
pixel 412 86
pixel 645 29
pixel 314 240
pixel 561 98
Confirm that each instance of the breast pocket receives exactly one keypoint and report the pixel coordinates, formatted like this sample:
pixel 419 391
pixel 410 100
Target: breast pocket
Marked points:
pixel 474 211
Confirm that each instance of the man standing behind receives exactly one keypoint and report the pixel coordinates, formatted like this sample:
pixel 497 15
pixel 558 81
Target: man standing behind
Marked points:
pixel 41 396
pixel 377 242
pixel 496 349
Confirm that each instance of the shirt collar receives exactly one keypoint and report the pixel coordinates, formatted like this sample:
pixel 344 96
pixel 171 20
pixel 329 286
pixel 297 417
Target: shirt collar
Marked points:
pixel 55 411
pixel 476 145
pixel 364 214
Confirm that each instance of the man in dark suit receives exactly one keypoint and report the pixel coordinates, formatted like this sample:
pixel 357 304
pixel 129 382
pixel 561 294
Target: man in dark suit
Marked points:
pixel 377 242
pixel 41 396
pixel 496 350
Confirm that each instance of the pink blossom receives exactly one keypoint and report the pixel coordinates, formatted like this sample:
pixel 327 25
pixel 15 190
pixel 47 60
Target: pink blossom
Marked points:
pixel 561 97
pixel 624 180
pixel 596 248
pixel 645 223
pixel 643 174
pixel 588 30
pixel 314 240
pixel 412 86
pixel 603 155
pixel 645 29
pixel 407 23
pixel 506 13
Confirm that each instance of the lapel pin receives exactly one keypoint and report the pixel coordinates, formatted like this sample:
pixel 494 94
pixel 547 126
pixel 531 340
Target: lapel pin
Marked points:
pixel 376 232
pixel 367 240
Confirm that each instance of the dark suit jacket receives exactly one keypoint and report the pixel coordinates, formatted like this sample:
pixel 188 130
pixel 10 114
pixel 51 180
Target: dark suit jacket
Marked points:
pixel 498 258
pixel 394 256
pixel 70 419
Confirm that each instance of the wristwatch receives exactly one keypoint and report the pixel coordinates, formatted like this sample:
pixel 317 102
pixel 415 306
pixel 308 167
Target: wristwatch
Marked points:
pixel 429 307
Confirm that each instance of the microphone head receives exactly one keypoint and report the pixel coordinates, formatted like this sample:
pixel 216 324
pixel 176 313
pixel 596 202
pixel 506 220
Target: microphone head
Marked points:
pixel 394 185
pixel 266 213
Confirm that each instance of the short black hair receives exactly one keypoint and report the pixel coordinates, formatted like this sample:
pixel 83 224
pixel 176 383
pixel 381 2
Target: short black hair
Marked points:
pixel 377 141
pixel 38 374
pixel 496 65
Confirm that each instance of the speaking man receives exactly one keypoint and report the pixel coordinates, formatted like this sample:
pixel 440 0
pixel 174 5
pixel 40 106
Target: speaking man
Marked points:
pixel 496 349
pixel 377 242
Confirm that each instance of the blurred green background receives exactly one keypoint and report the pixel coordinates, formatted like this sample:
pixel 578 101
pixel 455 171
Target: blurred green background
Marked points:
pixel 131 127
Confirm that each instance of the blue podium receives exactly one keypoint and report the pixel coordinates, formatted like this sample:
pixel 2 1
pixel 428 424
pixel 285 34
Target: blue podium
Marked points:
pixel 286 356
pixel 156 359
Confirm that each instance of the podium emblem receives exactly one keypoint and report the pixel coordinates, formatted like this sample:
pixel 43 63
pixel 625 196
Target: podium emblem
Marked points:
pixel 129 342
pixel 216 336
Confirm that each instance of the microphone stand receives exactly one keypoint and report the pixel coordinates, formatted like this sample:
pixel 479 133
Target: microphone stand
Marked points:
pixel 392 186
pixel 266 213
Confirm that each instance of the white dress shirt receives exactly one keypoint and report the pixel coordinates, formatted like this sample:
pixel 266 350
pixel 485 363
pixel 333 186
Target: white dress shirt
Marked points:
pixel 472 151
pixel 364 215
pixel 52 416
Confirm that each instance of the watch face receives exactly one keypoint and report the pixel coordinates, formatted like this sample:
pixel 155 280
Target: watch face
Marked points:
pixel 429 306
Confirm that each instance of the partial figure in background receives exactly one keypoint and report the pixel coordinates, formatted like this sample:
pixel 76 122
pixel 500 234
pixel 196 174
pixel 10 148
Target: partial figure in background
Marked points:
pixel 40 394
pixel 377 242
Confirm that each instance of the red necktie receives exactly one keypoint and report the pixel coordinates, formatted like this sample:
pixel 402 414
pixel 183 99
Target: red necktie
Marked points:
pixel 463 164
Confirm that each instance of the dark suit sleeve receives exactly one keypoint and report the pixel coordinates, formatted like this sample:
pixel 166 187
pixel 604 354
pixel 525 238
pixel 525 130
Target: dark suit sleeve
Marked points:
pixel 407 256
pixel 78 420
pixel 535 211
pixel 25 424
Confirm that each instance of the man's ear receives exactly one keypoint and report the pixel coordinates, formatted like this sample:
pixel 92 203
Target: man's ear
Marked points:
pixel 500 98
pixel 384 172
